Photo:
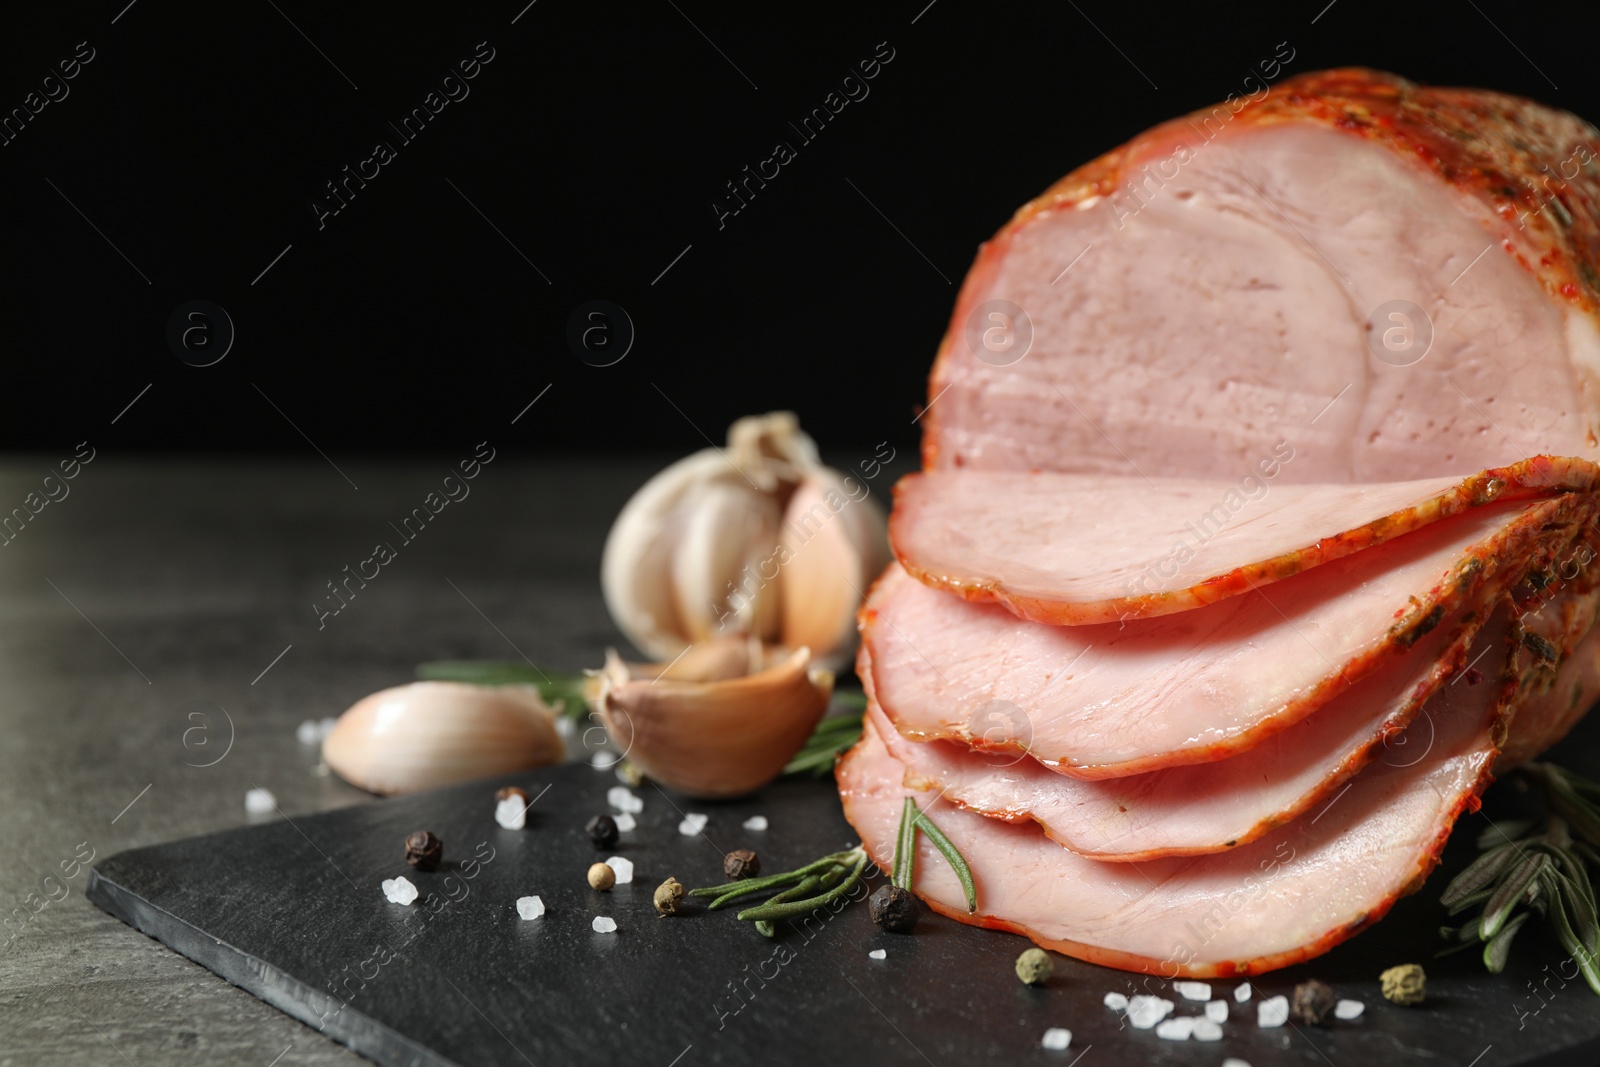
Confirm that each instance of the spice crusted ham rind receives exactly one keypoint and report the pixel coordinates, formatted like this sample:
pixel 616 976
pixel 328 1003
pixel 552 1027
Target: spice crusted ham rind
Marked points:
pixel 1228 270
pixel 1077 549
pixel 1262 906
pixel 1149 816
pixel 1113 700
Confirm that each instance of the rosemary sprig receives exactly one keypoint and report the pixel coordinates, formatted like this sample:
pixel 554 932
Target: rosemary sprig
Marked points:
pixel 832 736
pixel 1527 870
pixel 556 688
pixel 912 819
pixel 834 875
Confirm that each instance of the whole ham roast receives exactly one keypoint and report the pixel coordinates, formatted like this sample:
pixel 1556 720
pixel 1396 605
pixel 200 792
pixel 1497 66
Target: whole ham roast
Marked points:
pixel 1255 530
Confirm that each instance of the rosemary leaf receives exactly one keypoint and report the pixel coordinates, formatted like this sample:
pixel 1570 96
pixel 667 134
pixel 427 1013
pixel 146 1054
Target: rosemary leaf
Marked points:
pixel 810 884
pixel 953 855
pixel 1498 950
pixel 1483 871
pixel 1583 953
pixel 905 849
pixel 1509 895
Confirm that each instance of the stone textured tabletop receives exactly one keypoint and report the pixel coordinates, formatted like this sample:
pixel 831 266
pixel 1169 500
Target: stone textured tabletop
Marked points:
pixel 160 607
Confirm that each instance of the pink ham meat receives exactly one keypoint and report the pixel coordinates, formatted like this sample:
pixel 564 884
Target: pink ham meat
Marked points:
pixel 1287 897
pixel 1093 548
pixel 1397 282
pixel 1117 699
pixel 1207 807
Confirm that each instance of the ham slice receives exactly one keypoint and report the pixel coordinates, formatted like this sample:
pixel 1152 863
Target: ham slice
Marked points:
pixel 1398 281
pixel 1092 548
pixel 1206 807
pixel 1285 898
pixel 1119 699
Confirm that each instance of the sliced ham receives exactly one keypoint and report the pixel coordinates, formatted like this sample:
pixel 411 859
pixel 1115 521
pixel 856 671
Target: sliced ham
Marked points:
pixel 1397 281
pixel 1285 898
pixel 1192 542
pixel 1560 663
pixel 1092 548
pixel 1118 699
pixel 1206 807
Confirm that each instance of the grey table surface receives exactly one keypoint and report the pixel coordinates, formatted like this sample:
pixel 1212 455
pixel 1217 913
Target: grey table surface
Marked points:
pixel 161 600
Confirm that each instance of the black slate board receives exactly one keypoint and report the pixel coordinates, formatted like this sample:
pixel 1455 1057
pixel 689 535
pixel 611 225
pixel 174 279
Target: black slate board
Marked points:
pixel 290 909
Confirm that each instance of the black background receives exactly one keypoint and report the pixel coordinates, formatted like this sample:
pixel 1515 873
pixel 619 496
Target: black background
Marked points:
pixel 594 142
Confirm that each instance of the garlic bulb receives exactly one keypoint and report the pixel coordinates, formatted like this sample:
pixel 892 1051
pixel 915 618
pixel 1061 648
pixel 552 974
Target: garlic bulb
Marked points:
pixel 758 539
pixel 431 734
pixel 720 738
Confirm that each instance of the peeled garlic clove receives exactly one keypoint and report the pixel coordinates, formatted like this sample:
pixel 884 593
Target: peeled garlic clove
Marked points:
pixel 714 739
pixel 835 544
pixel 430 734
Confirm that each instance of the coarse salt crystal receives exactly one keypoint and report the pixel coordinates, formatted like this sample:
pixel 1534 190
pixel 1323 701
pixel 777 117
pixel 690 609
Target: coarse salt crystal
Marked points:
pixel 1349 1009
pixel 1177 1029
pixel 1272 1012
pixel 878 954
pixel 1116 1001
pixel 1056 1039
pixel 1241 992
pixel 1192 990
pixel 624 799
pixel 756 822
pixel 530 907
pixel 692 824
pixel 604 925
pixel 260 801
pixel 511 813
pixel 308 733
pixel 1217 1011
pixel 622 868
pixel 625 822
pixel 1144 1011
pixel 1207 1030
pixel 602 760
pixel 399 890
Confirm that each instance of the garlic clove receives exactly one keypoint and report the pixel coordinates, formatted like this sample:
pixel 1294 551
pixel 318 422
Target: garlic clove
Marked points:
pixel 835 544
pixel 636 571
pixel 714 739
pixel 673 549
pixel 430 734
pixel 726 540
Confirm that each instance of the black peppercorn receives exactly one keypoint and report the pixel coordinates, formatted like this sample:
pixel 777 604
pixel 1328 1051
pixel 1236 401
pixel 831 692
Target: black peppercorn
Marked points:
pixel 894 909
pixel 741 863
pixel 423 850
pixel 1312 1003
pixel 602 830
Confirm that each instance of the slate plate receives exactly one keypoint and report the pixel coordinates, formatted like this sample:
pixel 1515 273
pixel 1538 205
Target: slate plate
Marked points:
pixel 293 913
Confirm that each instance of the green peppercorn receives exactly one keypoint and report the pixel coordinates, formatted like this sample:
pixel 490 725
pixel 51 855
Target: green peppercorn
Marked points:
pixel 1405 984
pixel 1034 966
pixel 668 896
